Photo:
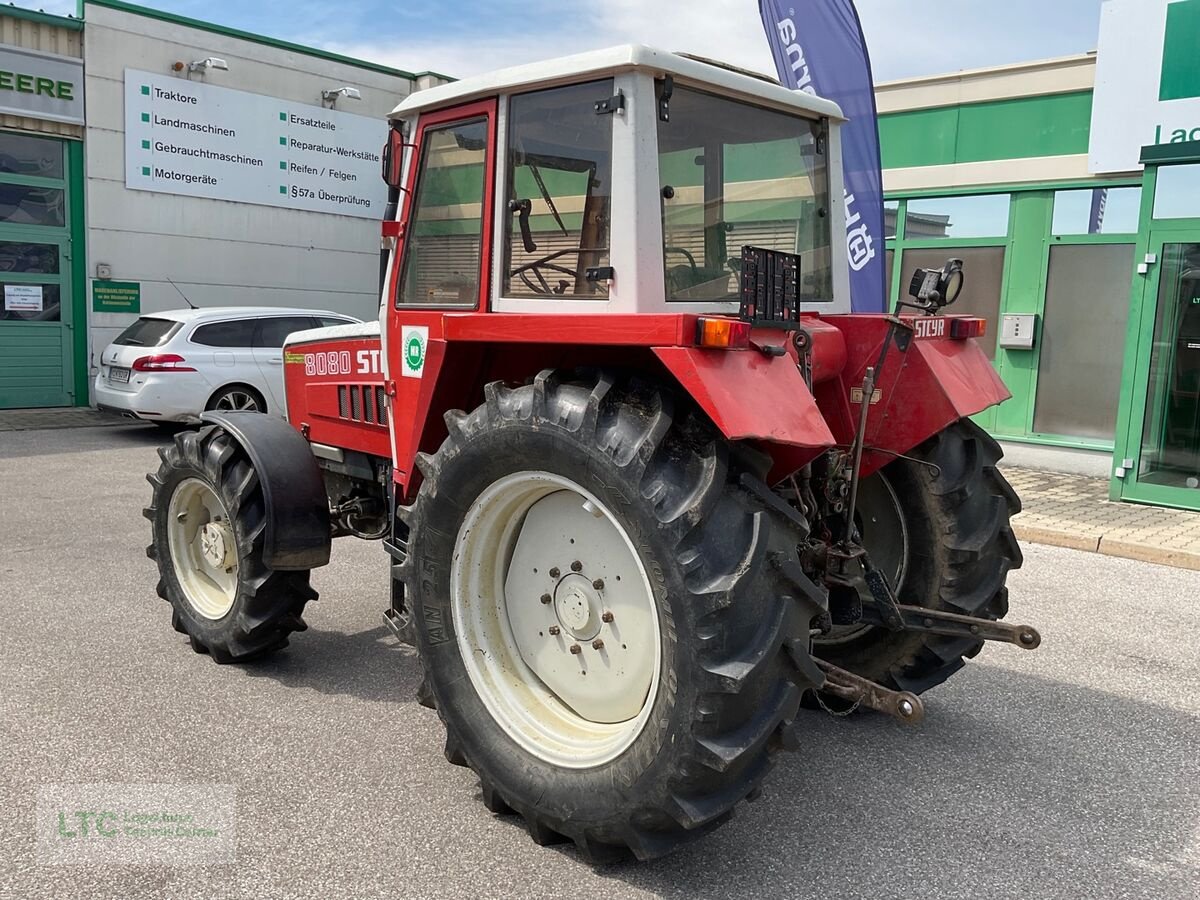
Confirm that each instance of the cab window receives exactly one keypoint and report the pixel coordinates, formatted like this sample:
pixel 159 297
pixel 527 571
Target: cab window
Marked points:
pixel 445 225
pixel 559 165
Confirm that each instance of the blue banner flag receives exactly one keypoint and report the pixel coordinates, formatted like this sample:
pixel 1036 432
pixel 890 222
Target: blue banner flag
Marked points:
pixel 819 48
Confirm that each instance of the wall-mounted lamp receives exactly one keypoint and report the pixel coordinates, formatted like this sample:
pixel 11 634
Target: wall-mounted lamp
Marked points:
pixel 201 65
pixel 331 97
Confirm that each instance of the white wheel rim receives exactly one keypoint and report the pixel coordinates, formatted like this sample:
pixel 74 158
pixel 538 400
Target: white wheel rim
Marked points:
pixel 203 548
pixel 517 544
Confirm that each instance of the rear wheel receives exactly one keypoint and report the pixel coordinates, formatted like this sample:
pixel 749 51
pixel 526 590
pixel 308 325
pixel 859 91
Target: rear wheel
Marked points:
pixel 209 517
pixel 613 624
pixel 938 526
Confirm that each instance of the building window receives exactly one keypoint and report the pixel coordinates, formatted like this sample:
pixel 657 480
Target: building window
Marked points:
pixel 559 190
pixel 1102 210
pixel 979 216
pixel 1083 332
pixel 984 271
pixel 1177 195
pixel 891 213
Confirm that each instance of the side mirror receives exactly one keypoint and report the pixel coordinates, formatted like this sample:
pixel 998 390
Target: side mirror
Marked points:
pixel 393 158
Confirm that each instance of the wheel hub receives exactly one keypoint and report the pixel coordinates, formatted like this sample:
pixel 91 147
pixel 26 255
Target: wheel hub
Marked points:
pixel 577 604
pixel 216 541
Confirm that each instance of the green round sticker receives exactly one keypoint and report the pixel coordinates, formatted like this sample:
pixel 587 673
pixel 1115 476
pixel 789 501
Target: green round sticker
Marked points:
pixel 414 353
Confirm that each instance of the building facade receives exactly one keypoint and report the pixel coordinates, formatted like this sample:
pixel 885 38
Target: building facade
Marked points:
pixel 148 161
pixel 1071 190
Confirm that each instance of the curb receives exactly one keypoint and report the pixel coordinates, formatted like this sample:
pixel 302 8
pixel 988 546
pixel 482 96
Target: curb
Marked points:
pixel 1107 546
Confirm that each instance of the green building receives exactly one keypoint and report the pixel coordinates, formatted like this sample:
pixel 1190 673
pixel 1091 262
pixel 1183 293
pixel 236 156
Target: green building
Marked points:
pixel 1071 189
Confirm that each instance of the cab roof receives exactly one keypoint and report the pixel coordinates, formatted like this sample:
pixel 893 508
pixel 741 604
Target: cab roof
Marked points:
pixel 601 63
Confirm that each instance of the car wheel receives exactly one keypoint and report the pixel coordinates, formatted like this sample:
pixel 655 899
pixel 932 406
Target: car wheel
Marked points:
pixel 237 398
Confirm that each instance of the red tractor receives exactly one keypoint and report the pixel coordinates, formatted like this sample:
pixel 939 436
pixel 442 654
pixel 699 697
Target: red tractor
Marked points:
pixel 647 485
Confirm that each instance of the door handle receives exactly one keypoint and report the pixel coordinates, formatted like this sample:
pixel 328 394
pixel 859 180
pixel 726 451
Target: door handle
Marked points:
pixel 276 360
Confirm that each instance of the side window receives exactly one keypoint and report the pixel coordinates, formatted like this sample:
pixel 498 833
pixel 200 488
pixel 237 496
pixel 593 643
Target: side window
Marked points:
pixel 559 164
pixel 326 321
pixel 273 331
pixel 239 333
pixel 445 226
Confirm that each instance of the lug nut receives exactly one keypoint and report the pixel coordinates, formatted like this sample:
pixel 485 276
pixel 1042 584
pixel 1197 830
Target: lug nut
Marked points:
pixel 598 584
pixel 576 566
pixel 553 629
pixel 606 617
pixel 554 572
pixel 546 598
pixel 597 644
pixel 576 649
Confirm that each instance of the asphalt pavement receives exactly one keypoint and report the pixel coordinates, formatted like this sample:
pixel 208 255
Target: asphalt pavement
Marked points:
pixel 1070 771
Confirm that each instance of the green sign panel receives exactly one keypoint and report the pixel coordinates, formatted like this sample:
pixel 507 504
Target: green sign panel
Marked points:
pixel 1180 74
pixel 117 296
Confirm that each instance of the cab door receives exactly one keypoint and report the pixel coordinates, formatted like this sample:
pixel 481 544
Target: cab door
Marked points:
pixel 442 258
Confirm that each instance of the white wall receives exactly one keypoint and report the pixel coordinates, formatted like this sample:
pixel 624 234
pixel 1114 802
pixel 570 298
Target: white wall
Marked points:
pixel 218 252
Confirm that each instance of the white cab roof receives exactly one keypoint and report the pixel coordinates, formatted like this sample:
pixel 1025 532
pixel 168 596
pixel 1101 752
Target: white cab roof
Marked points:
pixel 598 63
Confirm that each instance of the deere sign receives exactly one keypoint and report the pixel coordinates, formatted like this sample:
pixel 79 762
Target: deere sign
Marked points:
pixel 41 85
pixel 1147 80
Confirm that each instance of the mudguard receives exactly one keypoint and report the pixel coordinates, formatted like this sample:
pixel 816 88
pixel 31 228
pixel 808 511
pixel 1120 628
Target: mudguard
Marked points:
pixel 298 533
pixel 749 395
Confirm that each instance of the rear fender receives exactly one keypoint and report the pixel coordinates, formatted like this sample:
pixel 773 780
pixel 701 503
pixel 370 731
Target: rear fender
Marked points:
pixel 922 389
pixel 751 396
pixel 298 533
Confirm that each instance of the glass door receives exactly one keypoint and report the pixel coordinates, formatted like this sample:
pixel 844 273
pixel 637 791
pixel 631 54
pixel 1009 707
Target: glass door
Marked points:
pixel 1167 465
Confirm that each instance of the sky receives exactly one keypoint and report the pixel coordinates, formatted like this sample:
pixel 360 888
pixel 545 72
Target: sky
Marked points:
pixel 462 37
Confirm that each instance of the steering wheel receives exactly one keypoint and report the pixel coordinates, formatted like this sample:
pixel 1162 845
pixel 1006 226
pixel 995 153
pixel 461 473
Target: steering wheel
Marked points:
pixel 691 259
pixel 535 268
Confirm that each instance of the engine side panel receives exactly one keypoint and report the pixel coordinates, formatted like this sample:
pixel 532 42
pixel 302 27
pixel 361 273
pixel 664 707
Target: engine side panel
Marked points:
pixel 335 390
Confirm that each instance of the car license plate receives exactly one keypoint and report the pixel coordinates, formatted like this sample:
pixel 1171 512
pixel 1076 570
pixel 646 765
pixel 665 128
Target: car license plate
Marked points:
pixel 118 375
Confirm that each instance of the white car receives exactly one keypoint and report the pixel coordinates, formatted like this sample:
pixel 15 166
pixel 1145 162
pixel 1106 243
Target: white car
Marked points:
pixel 172 366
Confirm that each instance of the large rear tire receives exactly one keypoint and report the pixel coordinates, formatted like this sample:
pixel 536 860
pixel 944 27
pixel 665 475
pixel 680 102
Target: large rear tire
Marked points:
pixel 938 526
pixel 619 665
pixel 209 518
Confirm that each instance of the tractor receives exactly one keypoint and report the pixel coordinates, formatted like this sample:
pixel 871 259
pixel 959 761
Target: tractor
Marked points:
pixel 648 487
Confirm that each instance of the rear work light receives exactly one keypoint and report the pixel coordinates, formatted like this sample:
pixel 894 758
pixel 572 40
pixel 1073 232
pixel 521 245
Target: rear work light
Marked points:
pixel 726 334
pixel 162 362
pixel 961 329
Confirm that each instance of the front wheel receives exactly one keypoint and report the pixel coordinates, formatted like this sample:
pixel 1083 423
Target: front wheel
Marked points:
pixel 208 515
pixel 937 525
pixel 614 628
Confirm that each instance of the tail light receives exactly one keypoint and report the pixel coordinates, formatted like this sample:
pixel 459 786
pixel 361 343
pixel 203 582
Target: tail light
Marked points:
pixel 961 329
pixel 162 362
pixel 727 334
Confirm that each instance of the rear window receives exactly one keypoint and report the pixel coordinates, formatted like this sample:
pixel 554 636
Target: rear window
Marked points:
pixel 147 333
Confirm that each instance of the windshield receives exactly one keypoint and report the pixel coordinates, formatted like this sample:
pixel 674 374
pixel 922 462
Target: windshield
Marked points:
pixel 731 174
pixel 147 333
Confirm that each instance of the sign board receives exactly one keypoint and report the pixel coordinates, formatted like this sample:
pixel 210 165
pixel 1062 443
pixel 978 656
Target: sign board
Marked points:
pixel 41 85
pixel 200 140
pixel 1147 81
pixel 23 297
pixel 117 297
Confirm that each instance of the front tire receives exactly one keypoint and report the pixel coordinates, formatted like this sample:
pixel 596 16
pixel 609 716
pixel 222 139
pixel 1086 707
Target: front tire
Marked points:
pixel 938 527
pixel 705 679
pixel 209 519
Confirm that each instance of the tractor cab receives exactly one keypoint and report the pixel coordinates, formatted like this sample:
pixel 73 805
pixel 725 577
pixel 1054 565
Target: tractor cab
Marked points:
pixel 620 181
